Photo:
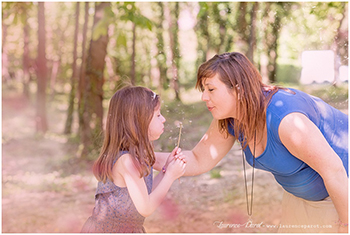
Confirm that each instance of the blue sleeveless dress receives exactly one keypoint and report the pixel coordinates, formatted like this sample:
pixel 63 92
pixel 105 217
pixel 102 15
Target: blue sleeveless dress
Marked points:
pixel 114 211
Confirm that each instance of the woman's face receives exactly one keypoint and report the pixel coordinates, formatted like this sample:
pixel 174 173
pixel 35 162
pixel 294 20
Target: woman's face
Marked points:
pixel 221 102
pixel 156 126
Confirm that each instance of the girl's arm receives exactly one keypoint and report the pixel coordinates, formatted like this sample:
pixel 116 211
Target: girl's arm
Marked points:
pixel 304 140
pixel 206 154
pixel 146 203
pixel 175 154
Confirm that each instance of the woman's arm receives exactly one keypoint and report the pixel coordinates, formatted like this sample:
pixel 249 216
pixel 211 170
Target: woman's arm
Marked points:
pixel 305 141
pixel 146 203
pixel 207 153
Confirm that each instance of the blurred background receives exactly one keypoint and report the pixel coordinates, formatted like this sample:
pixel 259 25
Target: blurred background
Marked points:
pixel 62 61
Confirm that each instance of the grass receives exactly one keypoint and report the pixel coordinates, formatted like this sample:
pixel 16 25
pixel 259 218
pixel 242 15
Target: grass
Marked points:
pixel 215 173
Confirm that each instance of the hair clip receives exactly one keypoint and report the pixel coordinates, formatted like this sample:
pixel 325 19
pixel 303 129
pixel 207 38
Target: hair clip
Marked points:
pixel 154 95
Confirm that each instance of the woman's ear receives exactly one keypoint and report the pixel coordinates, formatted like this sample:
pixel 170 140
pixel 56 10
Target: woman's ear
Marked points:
pixel 238 89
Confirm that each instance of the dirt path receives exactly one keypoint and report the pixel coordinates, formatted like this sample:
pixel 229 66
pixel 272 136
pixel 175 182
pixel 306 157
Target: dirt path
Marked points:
pixel 45 190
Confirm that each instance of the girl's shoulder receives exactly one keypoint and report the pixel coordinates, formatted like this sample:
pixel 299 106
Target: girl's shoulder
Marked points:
pixel 126 164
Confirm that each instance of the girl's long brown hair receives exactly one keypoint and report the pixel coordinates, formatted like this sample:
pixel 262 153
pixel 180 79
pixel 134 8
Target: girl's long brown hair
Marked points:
pixel 130 112
pixel 238 73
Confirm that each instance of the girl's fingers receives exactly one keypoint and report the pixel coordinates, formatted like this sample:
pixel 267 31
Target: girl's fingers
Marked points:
pixel 181 157
pixel 178 150
pixel 174 152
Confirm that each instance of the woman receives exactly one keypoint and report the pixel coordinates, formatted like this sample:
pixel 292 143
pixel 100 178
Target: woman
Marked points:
pixel 299 138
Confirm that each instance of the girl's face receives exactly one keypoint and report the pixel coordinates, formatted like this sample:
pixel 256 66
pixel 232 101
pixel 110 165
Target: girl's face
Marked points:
pixel 220 101
pixel 156 127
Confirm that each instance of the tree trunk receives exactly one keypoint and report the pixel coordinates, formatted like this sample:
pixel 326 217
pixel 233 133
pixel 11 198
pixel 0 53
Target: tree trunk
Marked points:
pixel 161 55
pixel 252 35
pixel 41 120
pixel 74 78
pixel 203 36
pixel 174 46
pixel 54 73
pixel 242 22
pixel 81 83
pixel 93 96
pixel 263 62
pixel 273 54
pixel 340 46
pixel 220 46
pixel 56 63
pixel 26 58
pixel 4 71
pixel 133 55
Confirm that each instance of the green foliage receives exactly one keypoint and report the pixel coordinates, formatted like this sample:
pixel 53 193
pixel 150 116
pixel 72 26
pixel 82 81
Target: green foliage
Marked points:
pixel 133 14
pixel 121 39
pixel 287 73
pixel 15 12
pixel 336 96
pixel 215 173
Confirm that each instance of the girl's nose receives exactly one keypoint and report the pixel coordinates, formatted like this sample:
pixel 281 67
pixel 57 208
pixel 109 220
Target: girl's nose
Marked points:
pixel 164 120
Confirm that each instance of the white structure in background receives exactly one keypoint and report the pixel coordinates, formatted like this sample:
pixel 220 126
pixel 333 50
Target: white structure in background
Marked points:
pixel 317 66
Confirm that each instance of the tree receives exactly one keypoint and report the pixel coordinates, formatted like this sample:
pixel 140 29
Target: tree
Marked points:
pixel 74 77
pixel 41 120
pixel 252 34
pixel 161 55
pixel 203 36
pixel 274 12
pixel 93 92
pixel 5 63
pixel 26 57
pixel 81 83
pixel 18 12
pixel 58 35
pixel 132 14
pixel 172 17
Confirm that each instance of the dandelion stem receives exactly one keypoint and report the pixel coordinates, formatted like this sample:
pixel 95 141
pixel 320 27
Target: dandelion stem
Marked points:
pixel 178 141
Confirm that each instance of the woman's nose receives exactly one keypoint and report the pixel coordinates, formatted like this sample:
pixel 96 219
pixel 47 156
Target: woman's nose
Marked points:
pixel 205 96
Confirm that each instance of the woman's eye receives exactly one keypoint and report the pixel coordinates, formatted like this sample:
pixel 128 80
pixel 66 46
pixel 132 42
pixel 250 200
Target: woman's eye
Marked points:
pixel 210 89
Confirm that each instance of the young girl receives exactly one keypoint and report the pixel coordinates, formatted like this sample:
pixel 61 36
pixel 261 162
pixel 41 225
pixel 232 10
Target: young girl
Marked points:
pixel 125 195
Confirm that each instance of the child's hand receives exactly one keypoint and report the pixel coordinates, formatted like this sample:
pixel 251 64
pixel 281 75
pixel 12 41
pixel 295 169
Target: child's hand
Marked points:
pixel 175 154
pixel 176 168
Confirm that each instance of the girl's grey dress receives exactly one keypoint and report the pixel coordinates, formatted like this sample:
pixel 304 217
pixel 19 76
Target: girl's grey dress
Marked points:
pixel 114 211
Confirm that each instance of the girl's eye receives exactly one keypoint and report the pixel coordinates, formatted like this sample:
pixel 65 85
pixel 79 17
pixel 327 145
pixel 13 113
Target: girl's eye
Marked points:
pixel 210 89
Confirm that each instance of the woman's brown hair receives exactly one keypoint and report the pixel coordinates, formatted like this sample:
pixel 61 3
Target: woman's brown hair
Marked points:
pixel 240 75
pixel 130 112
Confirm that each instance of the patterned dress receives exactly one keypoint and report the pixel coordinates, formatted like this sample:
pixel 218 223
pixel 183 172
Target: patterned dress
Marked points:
pixel 114 211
